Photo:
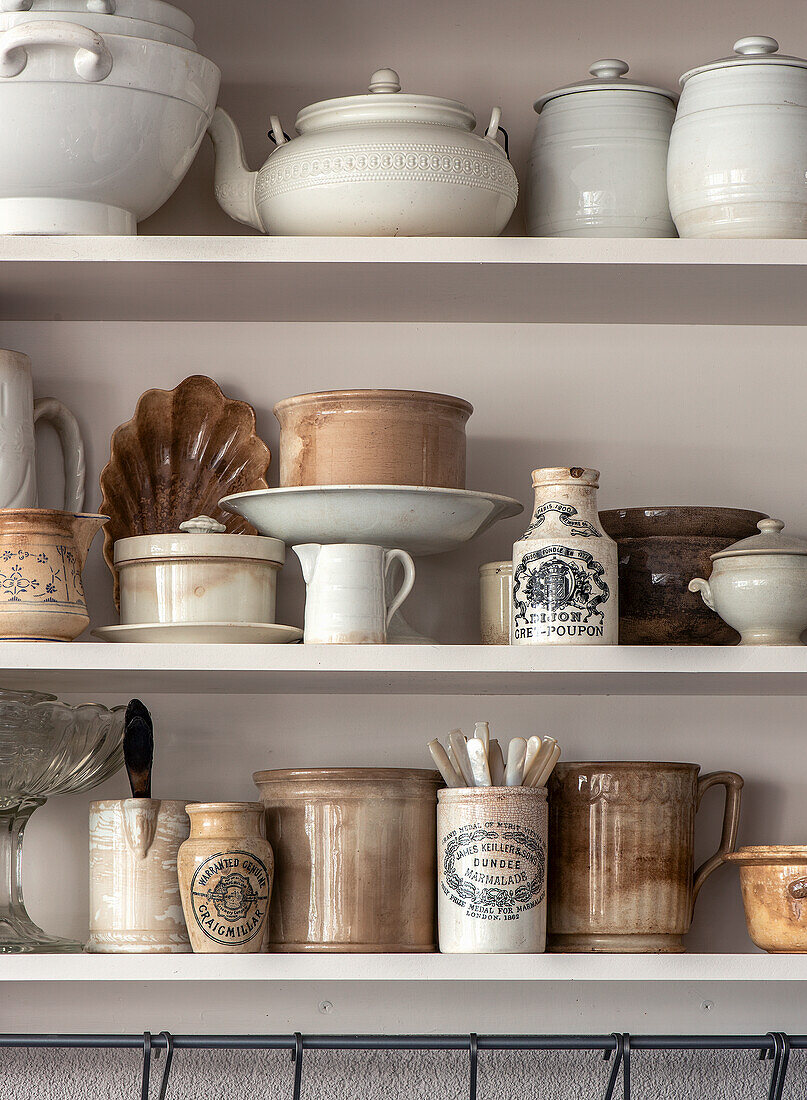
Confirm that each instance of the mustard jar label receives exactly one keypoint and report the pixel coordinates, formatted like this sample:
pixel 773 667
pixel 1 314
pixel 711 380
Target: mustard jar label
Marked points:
pixel 230 896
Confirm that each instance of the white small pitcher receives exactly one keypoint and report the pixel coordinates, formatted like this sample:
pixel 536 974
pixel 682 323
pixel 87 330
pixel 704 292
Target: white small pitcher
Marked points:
pixel 346 599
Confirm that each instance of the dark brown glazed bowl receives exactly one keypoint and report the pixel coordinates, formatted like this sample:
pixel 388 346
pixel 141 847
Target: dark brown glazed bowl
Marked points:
pixel 660 551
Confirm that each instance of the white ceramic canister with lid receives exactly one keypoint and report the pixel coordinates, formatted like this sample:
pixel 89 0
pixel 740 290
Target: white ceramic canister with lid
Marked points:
pixel 598 165
pixel 565 577
pixel 200 575
pixel 738 149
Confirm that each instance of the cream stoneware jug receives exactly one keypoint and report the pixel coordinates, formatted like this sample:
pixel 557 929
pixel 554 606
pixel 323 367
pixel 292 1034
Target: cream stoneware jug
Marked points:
pixel 346 600
pixel 134 889
pixel 19 413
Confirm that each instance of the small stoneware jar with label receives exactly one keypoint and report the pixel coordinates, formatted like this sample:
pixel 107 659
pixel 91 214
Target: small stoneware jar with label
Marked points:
pixel 492 861
pixel 226 869
pixel 565 566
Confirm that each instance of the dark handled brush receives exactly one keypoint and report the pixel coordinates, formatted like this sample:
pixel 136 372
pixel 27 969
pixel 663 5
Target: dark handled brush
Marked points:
pixel 138 748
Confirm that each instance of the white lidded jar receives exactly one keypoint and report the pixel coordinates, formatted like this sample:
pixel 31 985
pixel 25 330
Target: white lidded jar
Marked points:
pixel 598 165
pixel 565 567
pixel 738 150
pixel 200 575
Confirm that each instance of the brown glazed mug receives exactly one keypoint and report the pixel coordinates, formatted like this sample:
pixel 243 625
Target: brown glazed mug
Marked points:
pixel 622 853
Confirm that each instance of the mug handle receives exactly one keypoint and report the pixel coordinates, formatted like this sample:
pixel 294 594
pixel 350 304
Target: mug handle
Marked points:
pixel 408 579
pixel 75 468
pixel 731 820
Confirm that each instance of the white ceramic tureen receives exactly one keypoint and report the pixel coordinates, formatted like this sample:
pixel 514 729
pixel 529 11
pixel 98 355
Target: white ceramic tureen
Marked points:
pixel 759 586
pixel 96 131
pixel 151 11
pixel 104 24
pixel 738 149
pixel 383 164
pixel 598 165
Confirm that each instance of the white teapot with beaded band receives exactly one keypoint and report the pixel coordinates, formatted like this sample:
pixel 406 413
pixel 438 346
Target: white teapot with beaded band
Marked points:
pixel 386 163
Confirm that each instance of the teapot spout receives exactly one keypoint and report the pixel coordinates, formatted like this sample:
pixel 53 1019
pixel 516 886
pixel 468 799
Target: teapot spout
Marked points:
pixel 85 528
pixel 234 183
pixel 308 555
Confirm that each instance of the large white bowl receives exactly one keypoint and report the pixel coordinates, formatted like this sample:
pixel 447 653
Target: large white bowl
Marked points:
pixel 419 520
pixel 104 24
pixel 152 11
pixel 96 132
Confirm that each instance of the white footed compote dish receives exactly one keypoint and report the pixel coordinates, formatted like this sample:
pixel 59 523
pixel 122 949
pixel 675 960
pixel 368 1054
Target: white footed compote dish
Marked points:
pixel 759 586
pixel 417 519
pixel 46 748
pixel 384 164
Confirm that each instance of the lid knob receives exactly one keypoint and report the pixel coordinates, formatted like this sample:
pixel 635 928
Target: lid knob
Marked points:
pixel 770 526
pixel 385 80
pixel 609 68
pixel 756 44
pixel 202 525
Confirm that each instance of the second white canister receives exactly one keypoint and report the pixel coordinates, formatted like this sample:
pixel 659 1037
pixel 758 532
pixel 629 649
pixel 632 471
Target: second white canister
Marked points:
pixel 738 149
pixel 565 567
pixel 492 862
pixel 598 165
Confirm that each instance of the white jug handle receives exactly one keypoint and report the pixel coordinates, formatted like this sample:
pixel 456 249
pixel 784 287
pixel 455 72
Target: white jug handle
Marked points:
pixel 495 128
pixel 140 817
pixel 408 579
pixel 93 61
pixel 67 429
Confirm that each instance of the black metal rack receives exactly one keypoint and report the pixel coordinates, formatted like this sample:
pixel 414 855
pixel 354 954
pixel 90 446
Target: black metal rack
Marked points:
pixel 775 1045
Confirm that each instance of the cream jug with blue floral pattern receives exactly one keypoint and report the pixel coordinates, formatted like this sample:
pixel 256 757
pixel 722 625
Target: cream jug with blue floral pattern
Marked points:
pixel 565 566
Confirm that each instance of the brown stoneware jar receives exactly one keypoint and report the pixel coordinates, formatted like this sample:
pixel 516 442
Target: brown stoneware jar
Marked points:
pixel 621 853
pixel 660 551
pixel 773 880
pixel 356 858
pixel 225 877
pixel 373 437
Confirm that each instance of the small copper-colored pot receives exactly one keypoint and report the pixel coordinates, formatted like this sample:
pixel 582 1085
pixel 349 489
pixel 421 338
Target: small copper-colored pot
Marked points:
pixel 773 880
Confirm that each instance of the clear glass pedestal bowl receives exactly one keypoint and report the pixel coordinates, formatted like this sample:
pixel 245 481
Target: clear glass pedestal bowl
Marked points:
pixel 47 748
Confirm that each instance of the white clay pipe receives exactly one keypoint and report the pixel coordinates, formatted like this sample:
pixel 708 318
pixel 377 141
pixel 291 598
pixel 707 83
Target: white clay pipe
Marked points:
pixel 540 761
pixel 496 763
pixel 514 770
pixel 533 747
pixel 482 731
pixel 444 765
pixel 479 762
pixel 548 767
pixel 460 750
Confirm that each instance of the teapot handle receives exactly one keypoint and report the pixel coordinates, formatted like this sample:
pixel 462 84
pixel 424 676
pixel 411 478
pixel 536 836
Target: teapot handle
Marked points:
pixel 731 820
pixel 408 578
pixel 276 132
pixel 67 429
pixel 92 61
pixel 495 128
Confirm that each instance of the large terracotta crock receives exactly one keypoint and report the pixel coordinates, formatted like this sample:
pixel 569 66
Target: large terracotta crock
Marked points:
pixel 660 551
pixel 373 437
pixel 355 858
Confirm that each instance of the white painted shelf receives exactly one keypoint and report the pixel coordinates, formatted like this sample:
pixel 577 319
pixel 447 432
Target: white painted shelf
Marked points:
pixel 443 279
pixel 405 670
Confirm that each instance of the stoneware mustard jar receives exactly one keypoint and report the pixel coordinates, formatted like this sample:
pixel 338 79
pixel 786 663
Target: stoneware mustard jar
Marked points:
pixel 134 889
pixel 738 147
pixel 598 165
pixel 226 869
pixel 201 574
pixel 492 859
pixel 565 566
pixel 42 554
pixel 759 586
pixel 495 602
pixel 383 164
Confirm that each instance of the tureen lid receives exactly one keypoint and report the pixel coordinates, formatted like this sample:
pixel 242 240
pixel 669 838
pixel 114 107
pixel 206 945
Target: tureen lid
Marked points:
pixel 608 76
pixel 200 537
pixel 385 102
pixel 754 50
pixel 770 540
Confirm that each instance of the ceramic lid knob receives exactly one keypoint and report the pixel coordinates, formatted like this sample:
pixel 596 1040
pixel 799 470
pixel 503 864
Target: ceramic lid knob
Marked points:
pixel 202 525
pixel 385 80
pixel 609 68
pixel 770 526
pixel 756 44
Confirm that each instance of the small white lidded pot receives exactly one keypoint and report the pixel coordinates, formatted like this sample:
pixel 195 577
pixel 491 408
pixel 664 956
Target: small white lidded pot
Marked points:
pixel 759 586
pixel 200 575
pixel 492 863
pixel 598 164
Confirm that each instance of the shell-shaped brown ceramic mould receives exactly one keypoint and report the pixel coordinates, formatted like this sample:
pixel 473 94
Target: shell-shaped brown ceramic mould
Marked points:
pixel 183 451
